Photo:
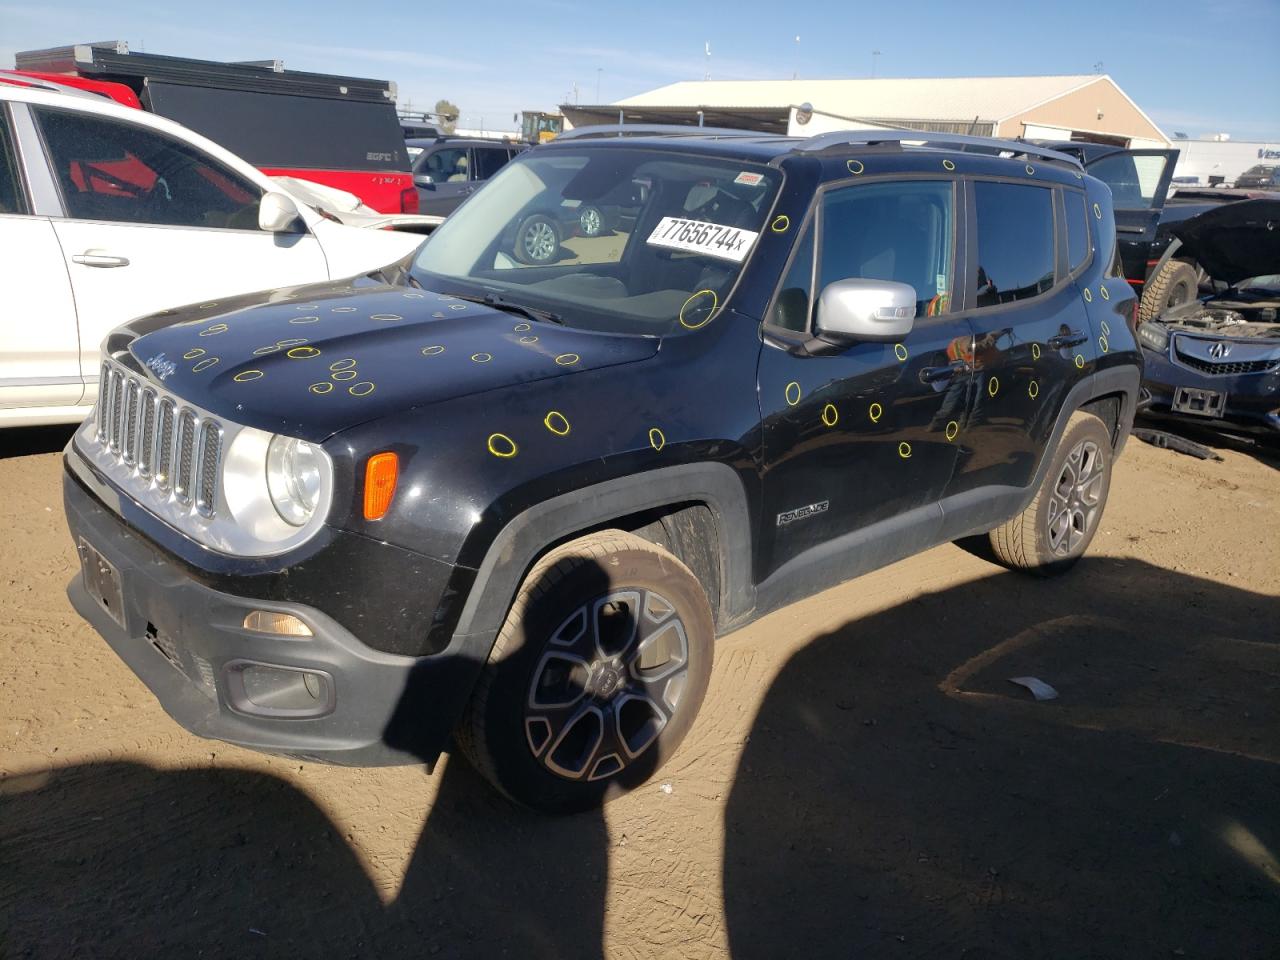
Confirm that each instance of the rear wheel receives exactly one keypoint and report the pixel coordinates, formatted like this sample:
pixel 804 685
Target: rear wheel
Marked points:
pixel 596 675
pixel 537 240
pixel 1176 283
pixel 591 221
pixel 1055 530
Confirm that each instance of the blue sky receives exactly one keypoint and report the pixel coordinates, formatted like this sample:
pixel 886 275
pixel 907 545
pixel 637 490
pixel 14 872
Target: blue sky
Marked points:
pixel 1197 67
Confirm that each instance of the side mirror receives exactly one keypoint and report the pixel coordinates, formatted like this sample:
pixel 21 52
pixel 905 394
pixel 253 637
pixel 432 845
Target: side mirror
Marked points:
pixel 277 213
pixel 423 180
pixel 857 309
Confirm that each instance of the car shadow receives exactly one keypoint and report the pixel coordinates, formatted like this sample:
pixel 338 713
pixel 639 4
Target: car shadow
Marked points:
pixel 899 796
pixel 31 441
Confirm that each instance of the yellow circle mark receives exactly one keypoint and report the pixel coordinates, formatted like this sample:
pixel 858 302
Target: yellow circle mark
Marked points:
pixel 953 430
pixel 385 316
pixel 457 306
pixel 792 390
pixel 1104 293
pixel 557 423
pixel 715 302
pixel 567 359
pixel 302 353
pixel 781 223
pixel 948 165
pixel 1030 169
pixel 361 389
pixel 1035 351
pixel 213 330
pixel 412 296
pixel 204 364
pixel 830 415
pixel 855 167
pixel 500 445
pixel 1079 361
pixel 1097 211
pixel 193 353
pixel 341 375
pixel 206 306
pixel 900 351
pixel 343 310
pixel 875 412
pixel 904 450
pixel 321 387
pixel 432 351
pixel 347 363
pixel 1033 389
pixel 263 351
pixel 482 357
pixel 1106 329
pixel 1103 344
pixel 657 439
pixel 247 376
pixel 304 319
pixel 529 339
pixel 1088 295
pixel 993 386
pixel 521 327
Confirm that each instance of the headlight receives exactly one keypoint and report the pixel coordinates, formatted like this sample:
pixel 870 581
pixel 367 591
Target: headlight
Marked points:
pixel 294 471
pixel 1153 336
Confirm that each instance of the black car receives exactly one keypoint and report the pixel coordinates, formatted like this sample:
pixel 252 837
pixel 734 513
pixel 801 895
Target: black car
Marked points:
pixel 509 507
pixel 447 170
pixel 1263 175
pixel 1216 360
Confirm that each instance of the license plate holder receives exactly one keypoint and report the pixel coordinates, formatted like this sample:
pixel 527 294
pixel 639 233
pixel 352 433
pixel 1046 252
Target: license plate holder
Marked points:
pixel 102 580
pixel 1199 403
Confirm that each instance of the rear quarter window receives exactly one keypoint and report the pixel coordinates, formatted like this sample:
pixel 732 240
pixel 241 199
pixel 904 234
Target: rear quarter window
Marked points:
pixel 1078 243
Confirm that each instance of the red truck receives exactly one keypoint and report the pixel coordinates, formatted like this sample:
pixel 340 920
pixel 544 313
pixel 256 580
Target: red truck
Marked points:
pixel 335 130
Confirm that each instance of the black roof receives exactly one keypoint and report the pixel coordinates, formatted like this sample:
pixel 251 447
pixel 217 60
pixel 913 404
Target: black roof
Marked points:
pixel 425 142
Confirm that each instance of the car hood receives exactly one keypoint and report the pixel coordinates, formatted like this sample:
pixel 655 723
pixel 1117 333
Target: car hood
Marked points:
pixel 1235 241
pixel 321 359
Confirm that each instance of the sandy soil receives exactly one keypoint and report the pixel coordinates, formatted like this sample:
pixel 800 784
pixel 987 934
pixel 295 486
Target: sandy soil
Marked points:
pixel 863 780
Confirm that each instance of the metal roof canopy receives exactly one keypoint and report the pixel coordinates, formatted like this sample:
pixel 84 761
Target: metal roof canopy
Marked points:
pixel 113 61
pixel 757 119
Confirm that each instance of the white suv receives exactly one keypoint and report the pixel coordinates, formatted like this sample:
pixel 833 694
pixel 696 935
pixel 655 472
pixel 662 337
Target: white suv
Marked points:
pixel 108 213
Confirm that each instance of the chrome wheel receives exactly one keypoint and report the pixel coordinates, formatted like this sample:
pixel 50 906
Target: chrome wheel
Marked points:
pixel 609 681
pixel 539 241
pixel 591 222
pixel 1076 499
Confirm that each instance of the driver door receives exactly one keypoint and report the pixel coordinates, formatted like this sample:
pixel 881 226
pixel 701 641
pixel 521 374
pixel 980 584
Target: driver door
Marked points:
pixel 151 222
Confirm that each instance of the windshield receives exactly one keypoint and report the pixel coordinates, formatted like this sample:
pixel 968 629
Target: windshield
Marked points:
pixel 615 239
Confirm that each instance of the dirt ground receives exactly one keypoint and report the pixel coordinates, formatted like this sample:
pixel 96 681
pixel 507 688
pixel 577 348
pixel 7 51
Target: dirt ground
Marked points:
pixel 863 780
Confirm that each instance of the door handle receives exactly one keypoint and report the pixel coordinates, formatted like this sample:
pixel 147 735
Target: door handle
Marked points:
pixel 1064 340
pixel 938 374
pixel 94 258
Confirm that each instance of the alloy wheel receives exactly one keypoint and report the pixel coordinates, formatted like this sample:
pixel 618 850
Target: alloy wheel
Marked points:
pixel 540 240
pixel 1075 501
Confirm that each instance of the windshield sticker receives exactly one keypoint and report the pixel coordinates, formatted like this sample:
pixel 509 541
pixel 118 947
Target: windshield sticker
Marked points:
pixel 749 179
pixel 698 236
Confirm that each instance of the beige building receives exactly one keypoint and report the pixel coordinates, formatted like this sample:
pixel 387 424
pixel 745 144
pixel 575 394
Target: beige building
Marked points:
pixel 1087 107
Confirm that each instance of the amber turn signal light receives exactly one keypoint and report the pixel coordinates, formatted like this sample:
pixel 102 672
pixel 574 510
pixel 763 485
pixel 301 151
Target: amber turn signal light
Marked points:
pixel 380 484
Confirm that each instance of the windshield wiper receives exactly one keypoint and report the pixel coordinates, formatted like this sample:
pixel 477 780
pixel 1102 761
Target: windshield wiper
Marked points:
pixel 498 303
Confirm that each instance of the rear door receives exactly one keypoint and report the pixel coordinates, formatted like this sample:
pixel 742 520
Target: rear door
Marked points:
pixel 488 161
pixel 1139 182
pixel 443 178
pixel 39 346
pixel 153 222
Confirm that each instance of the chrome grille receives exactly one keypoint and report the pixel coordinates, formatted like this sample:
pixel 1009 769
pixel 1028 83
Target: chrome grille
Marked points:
pixel 171 447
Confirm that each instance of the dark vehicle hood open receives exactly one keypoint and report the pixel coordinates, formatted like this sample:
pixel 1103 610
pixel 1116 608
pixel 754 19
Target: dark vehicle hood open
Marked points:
pixel 335 355
pixel 1235 241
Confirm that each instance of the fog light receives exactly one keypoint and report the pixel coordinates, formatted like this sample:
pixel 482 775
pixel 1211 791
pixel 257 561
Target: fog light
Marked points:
pixel 270 690
pixel 268 621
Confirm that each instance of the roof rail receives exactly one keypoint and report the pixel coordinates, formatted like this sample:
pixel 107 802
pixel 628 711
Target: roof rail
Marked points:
pixel 654 130
pixel 827 142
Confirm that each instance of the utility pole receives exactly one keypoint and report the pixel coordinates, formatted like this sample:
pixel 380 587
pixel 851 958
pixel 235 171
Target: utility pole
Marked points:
pixel 874 54
pixel 795 74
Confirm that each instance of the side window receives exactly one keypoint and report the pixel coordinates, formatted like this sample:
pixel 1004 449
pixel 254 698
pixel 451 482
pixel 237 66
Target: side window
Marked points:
pixel 791 308
pixel 1077 228
pixel 489 160
pixel 11 198
pixel 116 171
pixel 447 165
pixel 892 231
pixel 1015 253
pixel 1133 179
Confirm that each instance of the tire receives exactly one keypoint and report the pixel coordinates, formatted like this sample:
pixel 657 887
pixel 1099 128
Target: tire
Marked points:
pixel 1055 530
pixel 537 240
pixel 1176 283
pixel 564 716
pixel 591 221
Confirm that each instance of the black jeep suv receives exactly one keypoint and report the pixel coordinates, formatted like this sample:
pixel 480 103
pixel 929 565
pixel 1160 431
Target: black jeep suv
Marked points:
pixel 509 506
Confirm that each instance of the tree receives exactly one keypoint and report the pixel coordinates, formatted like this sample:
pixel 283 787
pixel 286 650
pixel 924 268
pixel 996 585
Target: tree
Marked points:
pixel 447 114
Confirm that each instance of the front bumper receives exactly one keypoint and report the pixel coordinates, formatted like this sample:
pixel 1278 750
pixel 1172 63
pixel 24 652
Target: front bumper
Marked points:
pixel 1253 399
pixel 187 642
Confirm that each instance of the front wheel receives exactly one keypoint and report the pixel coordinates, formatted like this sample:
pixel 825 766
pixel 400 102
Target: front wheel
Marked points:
pixel 596 675
pixel 537 240
pixel 1055 530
